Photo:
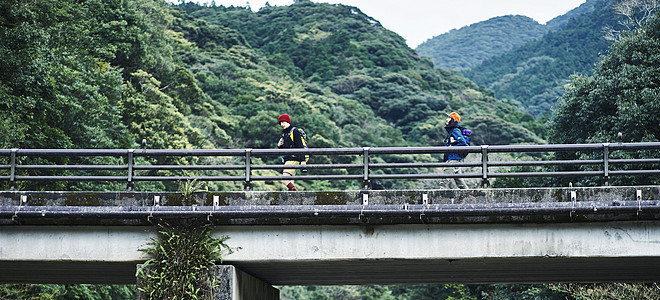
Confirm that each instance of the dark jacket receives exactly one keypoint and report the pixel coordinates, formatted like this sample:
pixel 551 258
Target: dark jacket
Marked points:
pixel 296 142
pixel 454 138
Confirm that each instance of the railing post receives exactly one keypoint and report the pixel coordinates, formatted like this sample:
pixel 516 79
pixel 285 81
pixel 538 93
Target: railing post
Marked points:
pixel 248 170
pixel 484 166
pixel 12 176
pixel 130 185
pixel 606 171
pixel 366 182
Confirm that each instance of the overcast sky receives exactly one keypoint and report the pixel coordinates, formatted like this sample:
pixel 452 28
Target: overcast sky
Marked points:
pixel 419 20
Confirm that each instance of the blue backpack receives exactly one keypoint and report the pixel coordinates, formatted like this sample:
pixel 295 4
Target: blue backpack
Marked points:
pixel 467 134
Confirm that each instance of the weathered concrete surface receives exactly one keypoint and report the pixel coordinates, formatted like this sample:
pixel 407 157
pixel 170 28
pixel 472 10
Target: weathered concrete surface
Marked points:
pixel 59 252
pixel 384 254
pixel 232 284
pixel 449 253
pixel 9 198
pixel 238 285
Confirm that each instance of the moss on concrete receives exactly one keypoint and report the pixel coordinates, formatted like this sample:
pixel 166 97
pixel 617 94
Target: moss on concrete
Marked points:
pixel 36 200
pixel 174 199
pixel 413 198
pixel 330 198
pixel 275 198
pixel 82 199
pixel 559 196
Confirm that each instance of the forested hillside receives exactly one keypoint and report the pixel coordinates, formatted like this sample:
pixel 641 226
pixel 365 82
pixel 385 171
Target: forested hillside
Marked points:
pixel 623 97
pixel 106 74
pixel 339 52
pixel 461 49
pixel 535 74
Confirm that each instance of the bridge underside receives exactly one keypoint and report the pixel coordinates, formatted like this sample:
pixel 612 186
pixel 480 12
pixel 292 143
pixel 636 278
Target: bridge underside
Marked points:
pixel 360 272
pixel 348 254
pixel 467 271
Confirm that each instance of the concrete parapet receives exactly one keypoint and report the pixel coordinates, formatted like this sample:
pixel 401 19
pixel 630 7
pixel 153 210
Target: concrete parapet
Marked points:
pixel 374 197
pixel 586 204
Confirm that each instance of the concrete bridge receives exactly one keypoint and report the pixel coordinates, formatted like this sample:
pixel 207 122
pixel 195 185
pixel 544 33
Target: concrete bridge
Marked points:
pixel 347 237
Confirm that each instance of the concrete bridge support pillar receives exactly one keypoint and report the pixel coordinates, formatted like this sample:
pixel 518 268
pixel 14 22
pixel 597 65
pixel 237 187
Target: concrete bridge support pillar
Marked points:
pixel 234 284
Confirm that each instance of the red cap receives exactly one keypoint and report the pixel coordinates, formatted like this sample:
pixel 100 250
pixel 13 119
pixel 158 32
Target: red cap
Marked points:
pixel 284 118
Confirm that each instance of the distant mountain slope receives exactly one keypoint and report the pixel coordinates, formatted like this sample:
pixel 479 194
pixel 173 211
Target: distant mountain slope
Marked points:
pixel 560 21
pixel 464 48
pixel 535 73
pixel 461 49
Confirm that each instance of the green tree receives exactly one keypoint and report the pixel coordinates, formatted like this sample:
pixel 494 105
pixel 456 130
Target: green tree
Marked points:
pixel 622 96
pixel 49 80
pixel 66 292
pixel 614 291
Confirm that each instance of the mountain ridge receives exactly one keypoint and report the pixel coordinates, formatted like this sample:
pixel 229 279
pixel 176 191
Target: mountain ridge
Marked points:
pixel 456 49
pixel 535 70
pixel 461 49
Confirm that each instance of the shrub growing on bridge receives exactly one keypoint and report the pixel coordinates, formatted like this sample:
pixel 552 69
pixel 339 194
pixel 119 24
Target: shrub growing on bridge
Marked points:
pixel 180 261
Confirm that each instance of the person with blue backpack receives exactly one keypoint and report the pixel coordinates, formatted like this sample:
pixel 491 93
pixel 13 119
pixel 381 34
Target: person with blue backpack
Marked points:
pixel 456 136
pixel 291 138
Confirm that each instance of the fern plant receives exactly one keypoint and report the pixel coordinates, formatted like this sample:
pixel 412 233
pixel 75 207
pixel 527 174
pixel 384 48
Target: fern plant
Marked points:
pixel 188 188
pixel 179 261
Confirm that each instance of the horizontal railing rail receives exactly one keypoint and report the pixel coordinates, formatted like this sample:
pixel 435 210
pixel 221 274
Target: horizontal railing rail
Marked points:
pixel 143 165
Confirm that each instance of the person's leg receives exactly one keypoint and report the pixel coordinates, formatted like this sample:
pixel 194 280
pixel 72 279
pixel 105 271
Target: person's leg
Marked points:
pixel 447 183
pixel 289 172
pixel 459 181
pixel 287 182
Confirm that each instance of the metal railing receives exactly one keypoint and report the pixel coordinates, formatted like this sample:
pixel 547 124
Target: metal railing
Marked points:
pixel 361 167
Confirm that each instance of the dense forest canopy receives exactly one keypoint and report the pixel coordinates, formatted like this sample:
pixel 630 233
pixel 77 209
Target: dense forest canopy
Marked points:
pixel 619 103
pixel 623 97
pixel 110 73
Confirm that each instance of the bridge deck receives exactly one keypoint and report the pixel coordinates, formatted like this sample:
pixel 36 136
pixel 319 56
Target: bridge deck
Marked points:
pixel 54 237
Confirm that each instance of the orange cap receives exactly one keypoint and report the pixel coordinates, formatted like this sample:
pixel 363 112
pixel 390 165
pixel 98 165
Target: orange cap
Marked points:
pixel 454 116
